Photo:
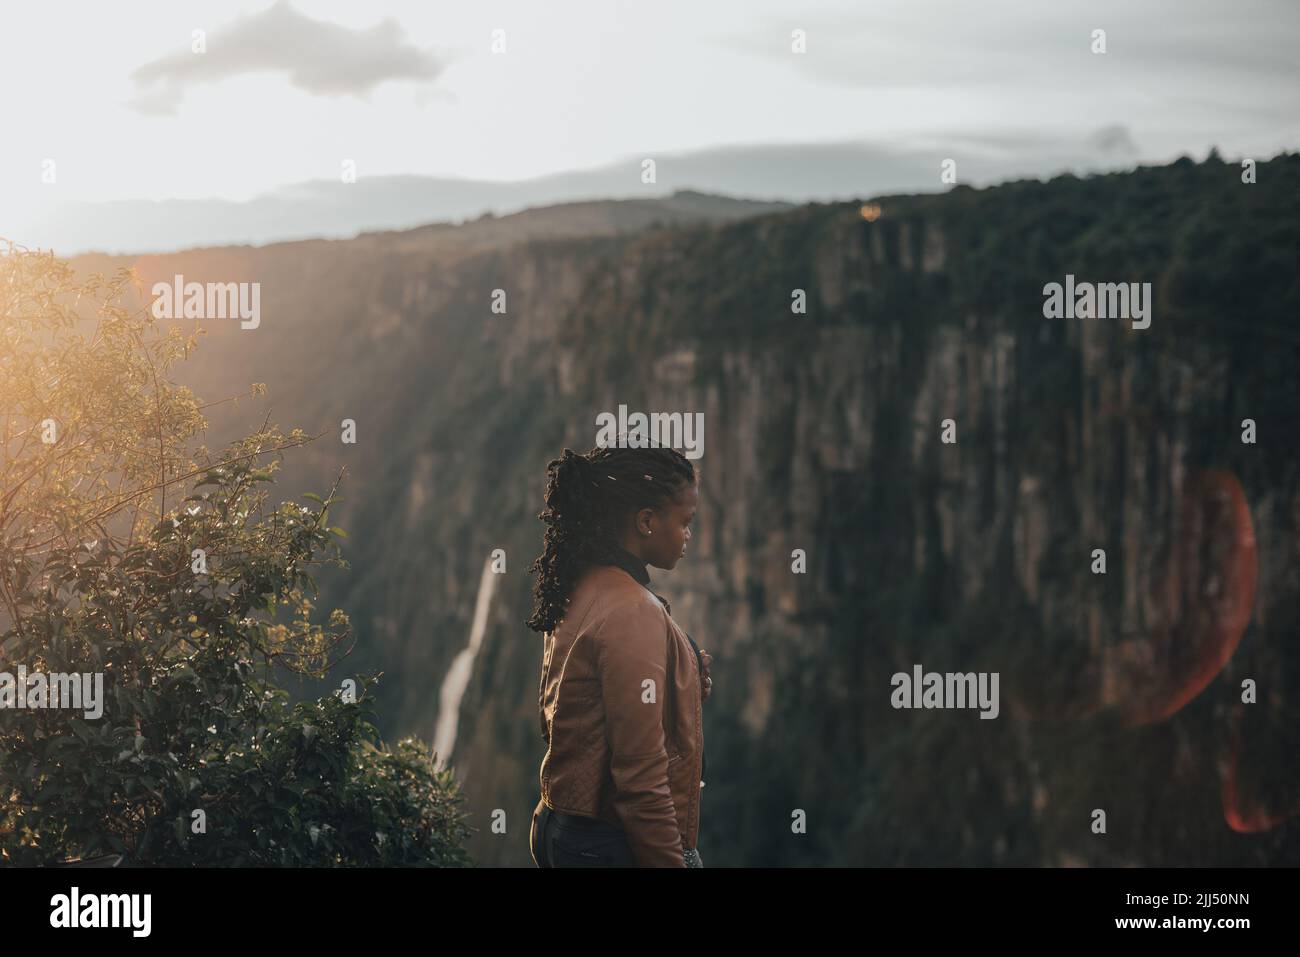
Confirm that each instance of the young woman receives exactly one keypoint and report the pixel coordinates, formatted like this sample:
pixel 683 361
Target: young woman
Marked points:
pixel 622 685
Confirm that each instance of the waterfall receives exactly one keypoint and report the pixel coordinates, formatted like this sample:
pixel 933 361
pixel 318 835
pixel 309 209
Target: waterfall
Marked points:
pixel 458 675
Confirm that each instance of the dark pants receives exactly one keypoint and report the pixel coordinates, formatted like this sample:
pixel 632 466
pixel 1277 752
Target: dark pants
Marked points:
pixel 557 839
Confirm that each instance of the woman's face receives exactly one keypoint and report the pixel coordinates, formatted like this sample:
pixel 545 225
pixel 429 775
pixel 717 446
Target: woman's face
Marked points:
pixel 670 528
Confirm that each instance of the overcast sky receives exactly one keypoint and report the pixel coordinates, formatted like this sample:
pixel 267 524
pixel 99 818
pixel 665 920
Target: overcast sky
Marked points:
pixel 284 92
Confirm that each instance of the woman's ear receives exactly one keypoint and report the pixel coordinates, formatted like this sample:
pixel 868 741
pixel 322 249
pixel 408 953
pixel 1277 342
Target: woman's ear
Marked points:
pixel 644 521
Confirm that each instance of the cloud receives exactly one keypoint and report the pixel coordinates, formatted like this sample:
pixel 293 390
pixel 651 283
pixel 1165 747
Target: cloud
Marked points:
pixel 1115 138
pixel 324 59
pixel 898 43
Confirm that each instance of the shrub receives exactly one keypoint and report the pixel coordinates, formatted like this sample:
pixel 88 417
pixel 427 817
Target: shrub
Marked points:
pixel 127 553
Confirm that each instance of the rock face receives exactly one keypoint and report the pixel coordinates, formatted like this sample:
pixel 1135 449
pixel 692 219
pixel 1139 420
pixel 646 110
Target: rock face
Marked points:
pixel 1121 691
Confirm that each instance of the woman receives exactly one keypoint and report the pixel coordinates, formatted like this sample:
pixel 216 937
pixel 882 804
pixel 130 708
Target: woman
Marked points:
pixel 622 685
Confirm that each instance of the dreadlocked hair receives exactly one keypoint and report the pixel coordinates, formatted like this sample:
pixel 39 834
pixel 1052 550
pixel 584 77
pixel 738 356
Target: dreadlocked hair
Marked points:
pixel 588 496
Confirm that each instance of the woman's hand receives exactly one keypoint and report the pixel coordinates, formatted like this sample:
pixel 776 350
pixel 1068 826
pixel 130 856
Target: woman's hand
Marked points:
pixel 706 659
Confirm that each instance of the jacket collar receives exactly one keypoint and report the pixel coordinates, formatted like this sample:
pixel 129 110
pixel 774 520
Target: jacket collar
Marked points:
pixel 632 565
pixel 637 569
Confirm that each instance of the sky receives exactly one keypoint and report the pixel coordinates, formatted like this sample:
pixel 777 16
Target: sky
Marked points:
pixel 284 92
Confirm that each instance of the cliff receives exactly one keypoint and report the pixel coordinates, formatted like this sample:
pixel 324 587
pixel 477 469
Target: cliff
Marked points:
pixel 824 433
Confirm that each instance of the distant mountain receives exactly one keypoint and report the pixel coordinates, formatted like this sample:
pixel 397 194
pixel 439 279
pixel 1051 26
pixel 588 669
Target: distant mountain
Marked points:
pixel 768 173
pixel 585 219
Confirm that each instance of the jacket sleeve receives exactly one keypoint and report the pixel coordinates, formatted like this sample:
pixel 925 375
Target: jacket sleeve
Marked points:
pixel 631 647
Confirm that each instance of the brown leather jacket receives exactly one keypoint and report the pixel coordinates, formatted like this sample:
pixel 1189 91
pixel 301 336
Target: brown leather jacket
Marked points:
pixel 621 712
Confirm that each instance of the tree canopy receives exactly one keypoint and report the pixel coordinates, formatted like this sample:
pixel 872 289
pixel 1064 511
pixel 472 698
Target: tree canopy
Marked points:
pixel 129 550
